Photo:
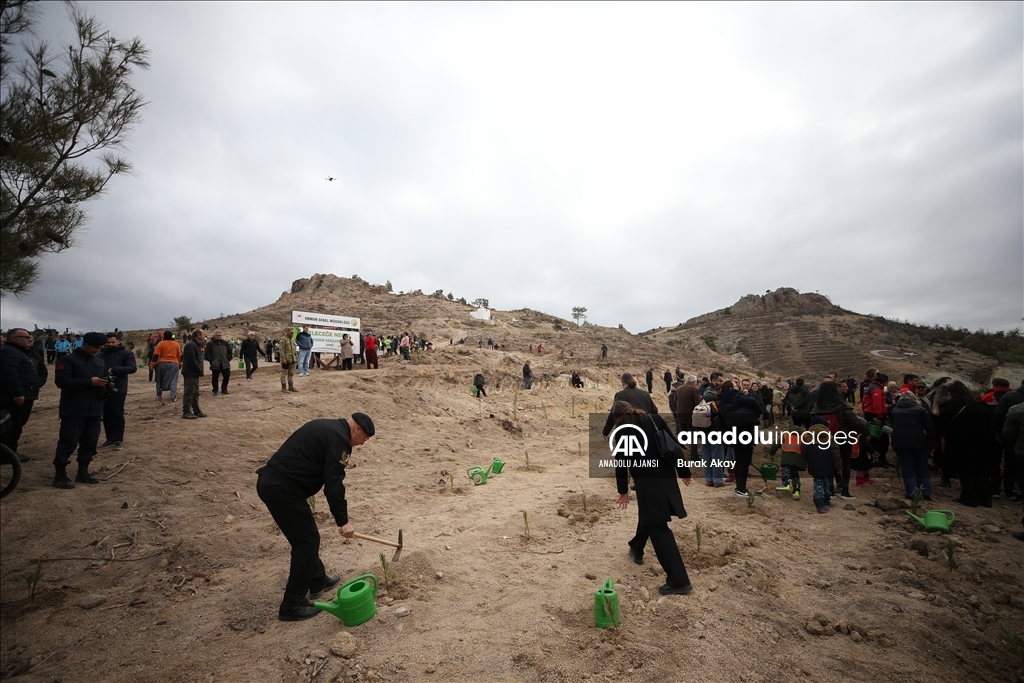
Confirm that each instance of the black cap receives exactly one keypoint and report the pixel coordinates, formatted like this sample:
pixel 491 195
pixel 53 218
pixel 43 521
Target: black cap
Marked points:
pixel 365 423
pixel 94 339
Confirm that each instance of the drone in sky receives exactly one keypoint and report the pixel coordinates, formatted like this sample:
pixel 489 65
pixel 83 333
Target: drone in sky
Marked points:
pixel 330 179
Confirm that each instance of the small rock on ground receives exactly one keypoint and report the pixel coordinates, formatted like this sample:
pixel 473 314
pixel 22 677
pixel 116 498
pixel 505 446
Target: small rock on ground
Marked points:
pixel 90 601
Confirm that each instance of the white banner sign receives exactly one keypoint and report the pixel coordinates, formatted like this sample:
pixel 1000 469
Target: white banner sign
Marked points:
pixel 329 341
pixel 324 320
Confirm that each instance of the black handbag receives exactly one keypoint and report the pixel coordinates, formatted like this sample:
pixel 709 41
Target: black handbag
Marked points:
pixel 667 446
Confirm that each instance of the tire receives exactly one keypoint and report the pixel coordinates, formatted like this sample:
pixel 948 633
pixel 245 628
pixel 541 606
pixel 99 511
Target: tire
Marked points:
pixel 10 470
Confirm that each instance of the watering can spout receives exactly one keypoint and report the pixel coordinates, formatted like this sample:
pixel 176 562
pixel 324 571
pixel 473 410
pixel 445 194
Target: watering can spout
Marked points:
pixel 913 516
pixel 332 607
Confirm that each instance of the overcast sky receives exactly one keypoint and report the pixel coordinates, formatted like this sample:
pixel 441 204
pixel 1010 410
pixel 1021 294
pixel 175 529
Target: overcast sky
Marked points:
pixel 650 162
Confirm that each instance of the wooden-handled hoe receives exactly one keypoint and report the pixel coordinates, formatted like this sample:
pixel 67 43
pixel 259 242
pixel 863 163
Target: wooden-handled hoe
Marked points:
pixel 384 542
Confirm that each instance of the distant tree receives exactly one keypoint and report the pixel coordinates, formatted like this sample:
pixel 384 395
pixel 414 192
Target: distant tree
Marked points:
pixel 390 288
pixel 182 322
pixel 579 313
pixel 59 110
pixel 450 297
pixel 438 294
pixel 462 300
pixel 482 303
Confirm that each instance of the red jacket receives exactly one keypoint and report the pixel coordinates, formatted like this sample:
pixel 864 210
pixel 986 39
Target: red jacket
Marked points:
pixel 874 400
pixel 993 395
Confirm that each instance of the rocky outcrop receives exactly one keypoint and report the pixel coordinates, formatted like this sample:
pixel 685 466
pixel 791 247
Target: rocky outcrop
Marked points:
pixel 782 300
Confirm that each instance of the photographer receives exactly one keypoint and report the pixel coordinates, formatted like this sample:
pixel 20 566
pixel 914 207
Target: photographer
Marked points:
pixel 80 376
pixel 120 362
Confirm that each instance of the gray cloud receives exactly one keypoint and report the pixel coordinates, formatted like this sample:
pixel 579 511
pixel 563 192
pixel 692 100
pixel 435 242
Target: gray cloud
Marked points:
pixel 651 163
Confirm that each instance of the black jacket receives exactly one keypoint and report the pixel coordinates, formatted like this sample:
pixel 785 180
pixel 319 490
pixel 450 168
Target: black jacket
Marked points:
pixel 312 458
pixel 192 360
pixel 19 374
pixel 912 425
pixel 1009 399
pixel 527 371
pixel 636 397
pixel 73 374
pixel 250 349
pixel 798 400
pixel 219 353
pixel 657 492
pixel 478 380
pixel 119 362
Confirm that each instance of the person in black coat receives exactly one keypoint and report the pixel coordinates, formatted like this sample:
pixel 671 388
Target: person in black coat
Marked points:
pixel 314 457
pixel 119 363
pixel 634 396
pixel 192 369
pixel 657 497
pixel 20 380
pixel 81 378
pixel 650 380
pixel 965 425
pixel 913 437
pixel 249 352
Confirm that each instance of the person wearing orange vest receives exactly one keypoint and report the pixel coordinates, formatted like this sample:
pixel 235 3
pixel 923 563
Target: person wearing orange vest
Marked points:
pixel 793 461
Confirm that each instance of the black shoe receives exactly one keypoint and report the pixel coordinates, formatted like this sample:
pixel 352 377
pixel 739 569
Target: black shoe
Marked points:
pixel 681 590
pixel 637 558
pixel 61 480
pixel 329 583
pixel 201 414
pixel 188 416
pixel 225 392
pixel 1019 535
pixel 298 613
pixel 106 444
pixel 214 392
pixel 83 476
pixel 23 458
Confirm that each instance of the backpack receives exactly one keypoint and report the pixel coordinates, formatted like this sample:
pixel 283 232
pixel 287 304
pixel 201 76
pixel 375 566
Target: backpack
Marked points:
pixel 702 414
pixel 833 422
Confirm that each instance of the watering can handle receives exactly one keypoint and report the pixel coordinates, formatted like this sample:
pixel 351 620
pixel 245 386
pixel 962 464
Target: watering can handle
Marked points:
pixel 950 515
pixel 371 577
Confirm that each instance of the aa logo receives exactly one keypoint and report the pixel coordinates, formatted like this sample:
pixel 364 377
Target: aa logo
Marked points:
pixel 625 440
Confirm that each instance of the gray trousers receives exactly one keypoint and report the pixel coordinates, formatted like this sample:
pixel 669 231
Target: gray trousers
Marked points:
pixel 167 379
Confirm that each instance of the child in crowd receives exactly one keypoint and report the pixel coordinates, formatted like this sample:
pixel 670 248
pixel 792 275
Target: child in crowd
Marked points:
pixel 822 456
pixel 792 462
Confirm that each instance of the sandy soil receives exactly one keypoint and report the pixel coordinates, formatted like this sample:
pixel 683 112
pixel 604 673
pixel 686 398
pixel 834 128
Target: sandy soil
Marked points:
pixel 198 565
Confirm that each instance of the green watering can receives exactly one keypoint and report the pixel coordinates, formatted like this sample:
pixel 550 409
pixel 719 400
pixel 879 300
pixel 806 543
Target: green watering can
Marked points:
pixel 935 520
pixel 606 605
pixel 496 466
pixel 355 602
pixel 478 475
pixel 768 471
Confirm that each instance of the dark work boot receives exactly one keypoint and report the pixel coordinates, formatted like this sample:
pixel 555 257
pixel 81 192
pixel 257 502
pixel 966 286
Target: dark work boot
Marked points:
pixel 299 612
pixel 60 479
pixel 83 476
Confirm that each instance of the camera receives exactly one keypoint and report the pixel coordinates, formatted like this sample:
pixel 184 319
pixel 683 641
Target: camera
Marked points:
pixel 109 389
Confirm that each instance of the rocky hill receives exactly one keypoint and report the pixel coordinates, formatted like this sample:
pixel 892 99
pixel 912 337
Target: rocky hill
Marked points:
pixel 775 336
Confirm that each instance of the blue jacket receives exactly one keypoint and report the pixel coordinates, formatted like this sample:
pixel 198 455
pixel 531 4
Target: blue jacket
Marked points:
pixel 73 374
pixel 62 346
pixel 18 375
pixel 119 362
pixel 304 341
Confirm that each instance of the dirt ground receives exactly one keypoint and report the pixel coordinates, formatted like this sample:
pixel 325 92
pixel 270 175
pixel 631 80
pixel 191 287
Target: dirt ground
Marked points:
pixel 171 569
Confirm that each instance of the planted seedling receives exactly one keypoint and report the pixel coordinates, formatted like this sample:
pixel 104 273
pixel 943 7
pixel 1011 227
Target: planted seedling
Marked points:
pixel 386 573
pixel 699 530
pixel 950 552
pixel 751 498
pixel 526 526
pixel 451 481
pixel 32 578
pixel 609 609
pixel 574 406
pixel 583 499
pixel 312 503
pixel 915 500
pixel 545 409
pixel 527 454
